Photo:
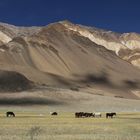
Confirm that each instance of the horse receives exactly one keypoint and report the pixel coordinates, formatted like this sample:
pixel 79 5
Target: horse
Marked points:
pixel 79 114
pixel 54 113
pixel 110 114
pixel 76 114
pixel 83 115
pixel 88 115
pixel 97 114
pixel 10 114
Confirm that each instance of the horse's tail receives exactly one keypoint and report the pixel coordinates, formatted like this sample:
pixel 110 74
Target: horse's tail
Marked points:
pixel 6 114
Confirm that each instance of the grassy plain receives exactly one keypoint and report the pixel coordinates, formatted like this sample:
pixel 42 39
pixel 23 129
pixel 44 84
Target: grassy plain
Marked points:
pixel 38 126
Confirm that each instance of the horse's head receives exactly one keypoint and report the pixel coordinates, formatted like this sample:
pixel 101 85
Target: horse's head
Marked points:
pixel 114 114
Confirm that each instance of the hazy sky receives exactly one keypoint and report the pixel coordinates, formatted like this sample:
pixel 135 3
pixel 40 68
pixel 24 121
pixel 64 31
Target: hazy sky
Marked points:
pixel 116 15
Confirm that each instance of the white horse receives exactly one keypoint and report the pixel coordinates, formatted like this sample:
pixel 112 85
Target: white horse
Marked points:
pixel 97 115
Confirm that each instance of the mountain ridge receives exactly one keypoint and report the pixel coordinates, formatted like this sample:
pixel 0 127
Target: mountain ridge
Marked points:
pixel 66 55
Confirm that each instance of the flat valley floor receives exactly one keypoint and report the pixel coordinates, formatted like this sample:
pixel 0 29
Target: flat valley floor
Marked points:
pixel 34 122
pixel 34 126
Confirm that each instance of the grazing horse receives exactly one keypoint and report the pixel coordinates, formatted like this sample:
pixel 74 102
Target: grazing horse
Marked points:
pixel 97 114
pixel 10 114
pixel 54 113
pixel 79 114
pixel 88 115
pixel 110 115
pixel 83 115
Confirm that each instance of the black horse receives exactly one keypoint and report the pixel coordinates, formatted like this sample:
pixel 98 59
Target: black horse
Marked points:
pixel 83 115
pixel 10 114
pixel 110 115
pixel 54 113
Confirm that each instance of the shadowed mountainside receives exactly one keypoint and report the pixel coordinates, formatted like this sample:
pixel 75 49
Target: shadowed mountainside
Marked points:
pixel 13 81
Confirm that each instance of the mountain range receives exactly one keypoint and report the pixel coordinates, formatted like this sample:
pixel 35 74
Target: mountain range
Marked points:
pixel 70 56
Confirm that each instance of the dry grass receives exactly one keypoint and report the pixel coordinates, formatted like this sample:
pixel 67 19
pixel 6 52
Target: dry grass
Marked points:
pixel 34 126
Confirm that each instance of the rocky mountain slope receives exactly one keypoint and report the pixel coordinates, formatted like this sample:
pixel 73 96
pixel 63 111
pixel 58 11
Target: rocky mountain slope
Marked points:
pixel 73 56
pixel 126 46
